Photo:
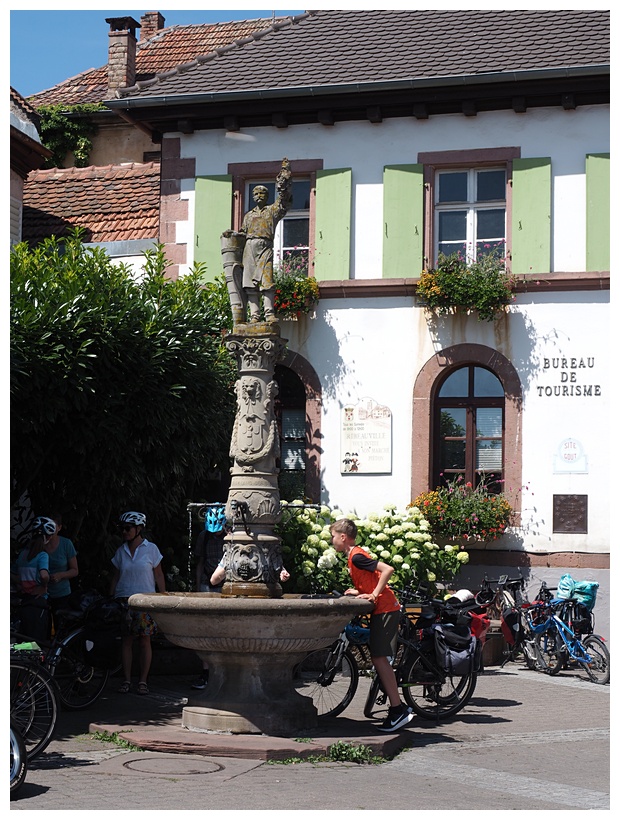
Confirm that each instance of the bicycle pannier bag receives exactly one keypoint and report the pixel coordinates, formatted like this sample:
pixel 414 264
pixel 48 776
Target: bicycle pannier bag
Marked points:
pixel 582 623
pixel 455 650
pixel 510 623
pixel 102 628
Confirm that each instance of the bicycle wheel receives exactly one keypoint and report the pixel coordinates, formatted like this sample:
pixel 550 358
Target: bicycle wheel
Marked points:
pixel 598 669
pixel 79 682
pixel 19 760
pixel 34 705
pixel 551 649
pixel 331 683
pixel 533 656
pixel 373 694
pixel 433 697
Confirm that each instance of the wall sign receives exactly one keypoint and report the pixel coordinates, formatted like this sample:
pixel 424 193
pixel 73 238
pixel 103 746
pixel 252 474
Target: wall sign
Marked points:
pixel 570 457
pixel 570 513
pixel 366 438
pixel 569 377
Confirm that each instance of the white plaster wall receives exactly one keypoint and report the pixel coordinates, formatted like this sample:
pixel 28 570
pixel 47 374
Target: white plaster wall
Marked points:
pixel 353 349
pixel 553 327
pixel 376 348
pixel 565 136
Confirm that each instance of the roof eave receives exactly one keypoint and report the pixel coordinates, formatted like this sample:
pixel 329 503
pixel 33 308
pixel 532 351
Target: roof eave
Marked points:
pixel 359 87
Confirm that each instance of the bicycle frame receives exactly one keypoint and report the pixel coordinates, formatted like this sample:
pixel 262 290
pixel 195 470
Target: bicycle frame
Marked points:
pixel 571 642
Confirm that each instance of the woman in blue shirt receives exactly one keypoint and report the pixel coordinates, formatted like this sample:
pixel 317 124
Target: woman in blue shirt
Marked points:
pixel 63 565
pixel 30 573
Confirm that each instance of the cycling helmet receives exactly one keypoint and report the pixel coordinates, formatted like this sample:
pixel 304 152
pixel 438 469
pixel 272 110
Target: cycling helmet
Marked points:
pixel 485 596
pixel 357 634
pixel 138 519
pixel 43 526
pixel 215 518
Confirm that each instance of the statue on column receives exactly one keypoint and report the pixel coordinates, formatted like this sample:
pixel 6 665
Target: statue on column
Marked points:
pixel 248 254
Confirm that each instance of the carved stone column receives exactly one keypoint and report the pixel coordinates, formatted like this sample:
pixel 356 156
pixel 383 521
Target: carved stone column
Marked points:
pixel 252 554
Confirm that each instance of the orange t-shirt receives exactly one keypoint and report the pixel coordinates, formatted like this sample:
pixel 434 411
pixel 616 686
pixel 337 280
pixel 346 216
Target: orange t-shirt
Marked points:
pixel 365 575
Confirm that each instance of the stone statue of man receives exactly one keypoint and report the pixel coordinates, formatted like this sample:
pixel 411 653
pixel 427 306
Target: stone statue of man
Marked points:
pixel 259 226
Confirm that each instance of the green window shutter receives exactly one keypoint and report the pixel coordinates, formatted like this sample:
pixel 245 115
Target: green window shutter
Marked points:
pixel 597 212
pixel 531 215
pixel 332 232
pixel 212 216
pixel 403 220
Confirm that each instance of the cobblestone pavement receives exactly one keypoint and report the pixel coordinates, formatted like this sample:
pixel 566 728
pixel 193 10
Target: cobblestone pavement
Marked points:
pixel 525 741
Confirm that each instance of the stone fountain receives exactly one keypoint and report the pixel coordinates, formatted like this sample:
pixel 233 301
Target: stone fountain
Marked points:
pixel 252 634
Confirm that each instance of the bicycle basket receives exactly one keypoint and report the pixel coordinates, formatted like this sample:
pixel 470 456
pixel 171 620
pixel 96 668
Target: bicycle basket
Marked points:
pixel 455 649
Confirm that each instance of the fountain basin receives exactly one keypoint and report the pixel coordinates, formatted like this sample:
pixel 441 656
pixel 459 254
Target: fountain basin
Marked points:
pixel 251 646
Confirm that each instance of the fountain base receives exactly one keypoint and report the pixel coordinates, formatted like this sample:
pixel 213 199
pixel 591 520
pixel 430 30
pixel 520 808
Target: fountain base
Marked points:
pixel 251 646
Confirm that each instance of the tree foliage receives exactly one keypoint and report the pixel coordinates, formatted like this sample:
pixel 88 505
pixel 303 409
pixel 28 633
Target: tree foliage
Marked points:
pixel 121 390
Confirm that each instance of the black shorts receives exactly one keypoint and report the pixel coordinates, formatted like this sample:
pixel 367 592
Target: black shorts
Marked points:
pixel 384 634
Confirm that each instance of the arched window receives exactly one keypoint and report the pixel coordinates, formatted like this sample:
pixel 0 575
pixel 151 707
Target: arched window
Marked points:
pixel 469 428
pixel 298 413
pixel 290 408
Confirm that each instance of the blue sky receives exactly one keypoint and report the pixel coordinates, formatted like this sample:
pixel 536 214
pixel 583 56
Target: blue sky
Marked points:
pixel 80 40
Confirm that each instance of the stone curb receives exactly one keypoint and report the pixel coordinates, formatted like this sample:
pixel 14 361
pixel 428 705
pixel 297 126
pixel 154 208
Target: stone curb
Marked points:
pixel 177 740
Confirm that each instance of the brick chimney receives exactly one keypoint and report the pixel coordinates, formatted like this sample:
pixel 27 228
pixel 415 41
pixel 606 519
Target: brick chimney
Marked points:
pixel 150 23
pixel 121 52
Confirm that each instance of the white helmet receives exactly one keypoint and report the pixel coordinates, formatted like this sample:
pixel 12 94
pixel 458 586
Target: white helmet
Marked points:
pixel 43 526
pixel 138 519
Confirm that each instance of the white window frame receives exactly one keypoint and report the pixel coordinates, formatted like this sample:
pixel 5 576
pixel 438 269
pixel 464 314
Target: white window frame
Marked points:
pixel 472 207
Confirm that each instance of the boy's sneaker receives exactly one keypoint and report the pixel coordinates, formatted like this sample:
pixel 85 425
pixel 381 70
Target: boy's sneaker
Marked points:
pixel 398 716
pixel 201 681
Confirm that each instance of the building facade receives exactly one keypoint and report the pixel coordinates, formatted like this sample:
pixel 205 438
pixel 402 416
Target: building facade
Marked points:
pixel 404 143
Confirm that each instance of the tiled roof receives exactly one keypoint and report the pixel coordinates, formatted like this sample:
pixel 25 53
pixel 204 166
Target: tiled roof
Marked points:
pixel 331 48
pixel 22 108
pixel 112 202
pixel 170 47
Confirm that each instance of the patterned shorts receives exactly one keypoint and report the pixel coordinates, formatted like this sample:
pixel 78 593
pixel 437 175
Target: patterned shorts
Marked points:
pixel 138 623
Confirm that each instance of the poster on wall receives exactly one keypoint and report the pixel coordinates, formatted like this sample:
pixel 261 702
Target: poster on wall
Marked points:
pixel 366 438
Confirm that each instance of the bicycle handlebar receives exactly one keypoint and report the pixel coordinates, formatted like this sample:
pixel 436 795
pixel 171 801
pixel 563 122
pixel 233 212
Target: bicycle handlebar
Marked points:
pixel 505 581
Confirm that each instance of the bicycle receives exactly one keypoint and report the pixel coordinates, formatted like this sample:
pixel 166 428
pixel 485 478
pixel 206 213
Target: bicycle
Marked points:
pixel 560 644
pixel 80 678
pixel 515 613
pixel 428 688
pixel 19 759
pixel 332 675
pixel 34 701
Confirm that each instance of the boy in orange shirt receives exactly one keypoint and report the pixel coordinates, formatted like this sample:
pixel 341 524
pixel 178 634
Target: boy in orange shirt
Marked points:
pixel 370 578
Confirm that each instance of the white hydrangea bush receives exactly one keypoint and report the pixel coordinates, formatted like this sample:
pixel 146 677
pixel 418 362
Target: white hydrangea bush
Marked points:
pixel 401 539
